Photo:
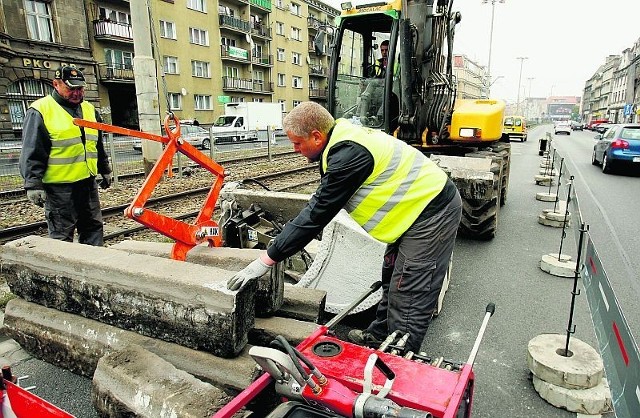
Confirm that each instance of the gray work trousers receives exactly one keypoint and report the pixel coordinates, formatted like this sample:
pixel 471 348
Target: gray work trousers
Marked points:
pixel 413 271
pixel 74 206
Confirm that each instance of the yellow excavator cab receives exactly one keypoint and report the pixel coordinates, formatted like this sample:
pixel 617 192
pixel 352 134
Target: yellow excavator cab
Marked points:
pixel 477 120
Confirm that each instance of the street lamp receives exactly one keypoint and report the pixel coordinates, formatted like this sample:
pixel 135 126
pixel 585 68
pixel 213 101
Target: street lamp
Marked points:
pixel 493 5
pixel 520 82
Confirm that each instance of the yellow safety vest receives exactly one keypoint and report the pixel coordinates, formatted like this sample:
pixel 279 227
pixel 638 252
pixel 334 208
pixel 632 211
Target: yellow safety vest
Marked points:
pixel 402 183
pixel 69 160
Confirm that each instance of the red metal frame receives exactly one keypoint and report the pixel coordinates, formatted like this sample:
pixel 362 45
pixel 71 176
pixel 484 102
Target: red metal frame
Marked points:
pixel 417 385
pixel 24 404
pixel 186 236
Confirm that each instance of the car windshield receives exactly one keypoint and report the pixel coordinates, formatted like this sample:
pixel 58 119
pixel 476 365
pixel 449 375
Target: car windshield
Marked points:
pixel 224 121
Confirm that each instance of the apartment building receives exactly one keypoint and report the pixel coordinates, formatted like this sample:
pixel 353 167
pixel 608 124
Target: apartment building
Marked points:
pixel 471 78
pixel 36 37
pixel 207 53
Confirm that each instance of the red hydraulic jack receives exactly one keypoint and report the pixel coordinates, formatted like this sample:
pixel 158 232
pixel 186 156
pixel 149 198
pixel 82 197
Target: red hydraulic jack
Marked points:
pixel 186 236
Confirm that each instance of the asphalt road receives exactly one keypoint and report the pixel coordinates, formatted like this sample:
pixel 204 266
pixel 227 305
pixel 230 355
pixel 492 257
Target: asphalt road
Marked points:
pixel 504 271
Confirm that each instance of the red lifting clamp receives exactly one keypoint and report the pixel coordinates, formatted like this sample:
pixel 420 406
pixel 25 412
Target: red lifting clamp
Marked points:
pixel 187 236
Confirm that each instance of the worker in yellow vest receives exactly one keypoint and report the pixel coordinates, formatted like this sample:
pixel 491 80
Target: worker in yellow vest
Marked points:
pixel 60 161
pixel 397 195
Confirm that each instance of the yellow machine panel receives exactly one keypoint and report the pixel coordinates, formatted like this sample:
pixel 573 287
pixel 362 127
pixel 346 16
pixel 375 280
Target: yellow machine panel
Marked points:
pixel 477 120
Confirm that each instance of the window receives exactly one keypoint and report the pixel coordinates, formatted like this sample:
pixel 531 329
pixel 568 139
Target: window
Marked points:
pixel 121 60
pixel 256 100
pixel 199 36
pixel 282 80
pixel 227 42
pixel 295 33
pixel 283 105
pixel 256 51
pixel 114 15
pixel 295 9
pixel 199 5
pixel 279 28
pixel 168 30
pixel 296 82
pixel 237 99
pixel 296 103
pixel 258 76
pixel 280 4
pixel 281 54
pixel 39 22
pixel 295 58
pixel 170 65
pixel 202 102
pixel 21 94
pixel 200 69
pixel 175 101
pixel 232 72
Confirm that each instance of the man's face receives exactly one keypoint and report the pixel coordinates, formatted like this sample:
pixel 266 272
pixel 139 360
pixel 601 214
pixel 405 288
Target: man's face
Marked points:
pixel 311 146
pixel 384 50
pixel 72 95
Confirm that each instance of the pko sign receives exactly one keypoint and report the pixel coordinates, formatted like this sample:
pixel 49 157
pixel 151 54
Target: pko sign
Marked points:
pixel 628 109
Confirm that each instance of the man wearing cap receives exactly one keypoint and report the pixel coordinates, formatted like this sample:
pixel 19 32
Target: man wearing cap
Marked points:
pixel 60 161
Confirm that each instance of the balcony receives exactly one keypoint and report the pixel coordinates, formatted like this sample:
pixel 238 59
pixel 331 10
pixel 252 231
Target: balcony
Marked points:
pixel 314 23
pixel 312 48
pixel 232 53
pixel 112 31
pixel 237 84
pixel 317 70
pixel 115 73
pixel 261 31
pixel 318 94
pixel 262 4
pixel 233 23
pixel 259 86
pixel 264 60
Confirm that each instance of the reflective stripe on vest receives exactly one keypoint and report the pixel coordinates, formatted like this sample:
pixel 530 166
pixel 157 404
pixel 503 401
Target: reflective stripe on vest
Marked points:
pixel 402 183
pixel 69 160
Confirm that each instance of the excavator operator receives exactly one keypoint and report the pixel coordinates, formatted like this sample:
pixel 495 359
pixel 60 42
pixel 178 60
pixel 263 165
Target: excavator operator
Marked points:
pixel 397 195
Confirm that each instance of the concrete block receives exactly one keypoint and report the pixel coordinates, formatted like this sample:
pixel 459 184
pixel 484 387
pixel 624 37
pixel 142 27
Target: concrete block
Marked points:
pixel 547 197
pixel 542 180
pixel 581 369
pixel 559 266
pixel 593 401
pixel 472 176
pixel 304 304
pixel 77 343
pixel 279 204
pixel 266 330
pixel 135 382
pixel 269 295
pixel 175 301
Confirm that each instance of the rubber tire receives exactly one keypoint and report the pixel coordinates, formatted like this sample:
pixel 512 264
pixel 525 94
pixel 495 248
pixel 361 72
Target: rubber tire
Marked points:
pixel 479 219
pixel 206 144
pixel 594 161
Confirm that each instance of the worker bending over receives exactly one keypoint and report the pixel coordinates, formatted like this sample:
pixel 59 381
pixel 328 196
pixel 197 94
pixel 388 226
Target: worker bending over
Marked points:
pixel 396 194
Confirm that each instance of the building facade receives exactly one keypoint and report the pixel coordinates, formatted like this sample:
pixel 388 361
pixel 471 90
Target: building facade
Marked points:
pixel 471 78
pixel 207 53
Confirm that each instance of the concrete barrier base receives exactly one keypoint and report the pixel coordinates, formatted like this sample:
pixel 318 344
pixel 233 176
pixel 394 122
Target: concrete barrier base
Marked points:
pixel 542 180
pixel 547 197
pixel 561 266
pixel 592 401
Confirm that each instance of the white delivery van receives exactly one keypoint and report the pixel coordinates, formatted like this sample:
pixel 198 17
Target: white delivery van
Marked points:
pixel 242 121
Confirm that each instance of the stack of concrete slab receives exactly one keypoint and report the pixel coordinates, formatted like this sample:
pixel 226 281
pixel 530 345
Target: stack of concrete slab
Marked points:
pixel 573 379
pixel 78 304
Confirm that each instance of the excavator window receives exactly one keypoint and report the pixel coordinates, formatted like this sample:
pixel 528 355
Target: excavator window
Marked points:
pixel 361 79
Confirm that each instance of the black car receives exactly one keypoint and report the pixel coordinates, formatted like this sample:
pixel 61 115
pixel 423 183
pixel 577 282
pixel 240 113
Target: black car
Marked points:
pixel 602 127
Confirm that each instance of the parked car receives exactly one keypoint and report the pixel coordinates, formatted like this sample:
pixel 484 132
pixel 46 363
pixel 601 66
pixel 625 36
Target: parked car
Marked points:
pixel 602 127
pixel 194 135
pixel 576 126
pixel 619 146
pixel 562 127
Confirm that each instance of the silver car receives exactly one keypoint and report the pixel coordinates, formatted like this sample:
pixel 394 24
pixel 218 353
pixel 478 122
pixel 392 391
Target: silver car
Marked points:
pixel 562 127
pixel 194 135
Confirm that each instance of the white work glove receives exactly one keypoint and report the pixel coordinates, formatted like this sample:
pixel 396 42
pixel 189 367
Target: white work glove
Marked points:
pixel 105 182
pixel 256 269
pixel 37 196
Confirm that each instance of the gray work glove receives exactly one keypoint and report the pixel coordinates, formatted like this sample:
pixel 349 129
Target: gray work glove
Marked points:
pixel 254 270
pixel 105 182
pixel 37 196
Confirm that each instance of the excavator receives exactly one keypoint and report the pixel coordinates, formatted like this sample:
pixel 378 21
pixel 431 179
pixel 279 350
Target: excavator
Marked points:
pixel 414 97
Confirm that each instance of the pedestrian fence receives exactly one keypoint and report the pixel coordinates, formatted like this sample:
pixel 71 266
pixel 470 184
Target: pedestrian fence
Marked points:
pixel 125 155
pixel 616 343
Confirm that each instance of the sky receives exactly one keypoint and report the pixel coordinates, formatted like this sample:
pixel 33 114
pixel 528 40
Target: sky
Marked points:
pixel 565 41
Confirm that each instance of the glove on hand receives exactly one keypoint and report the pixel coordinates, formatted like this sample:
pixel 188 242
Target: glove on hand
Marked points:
pixel 105 182
pixel 37 196
pixel 254 270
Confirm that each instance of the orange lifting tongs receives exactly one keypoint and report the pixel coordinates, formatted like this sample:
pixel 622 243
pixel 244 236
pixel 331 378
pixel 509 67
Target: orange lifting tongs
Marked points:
pixel 186 236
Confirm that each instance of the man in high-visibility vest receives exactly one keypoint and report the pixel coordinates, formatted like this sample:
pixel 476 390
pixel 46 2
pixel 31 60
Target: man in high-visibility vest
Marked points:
pixel 60 161
pixel 399 196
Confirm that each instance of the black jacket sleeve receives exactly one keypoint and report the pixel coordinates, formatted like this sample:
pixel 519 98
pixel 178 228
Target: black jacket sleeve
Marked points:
pixel 348 166
pixel 36 146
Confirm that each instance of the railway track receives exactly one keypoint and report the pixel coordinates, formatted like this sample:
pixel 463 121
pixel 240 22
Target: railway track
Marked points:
pixel 117 226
